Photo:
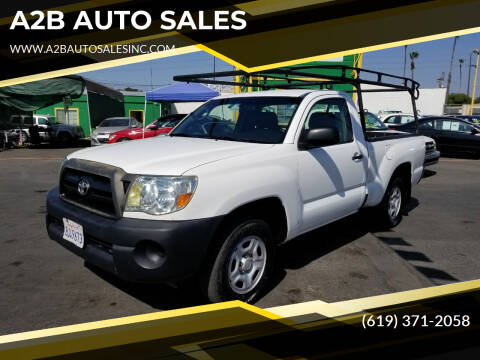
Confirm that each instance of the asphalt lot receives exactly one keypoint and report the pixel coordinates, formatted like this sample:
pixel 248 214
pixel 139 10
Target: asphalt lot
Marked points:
pixel 43 285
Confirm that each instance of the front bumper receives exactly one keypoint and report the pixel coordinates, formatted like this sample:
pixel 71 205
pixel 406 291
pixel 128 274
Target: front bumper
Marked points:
pixel 431 158
pixel 99 140
pixel 134 249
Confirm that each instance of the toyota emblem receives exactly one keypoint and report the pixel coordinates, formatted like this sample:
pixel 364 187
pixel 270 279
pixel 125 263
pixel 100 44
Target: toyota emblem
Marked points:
pixel 83 186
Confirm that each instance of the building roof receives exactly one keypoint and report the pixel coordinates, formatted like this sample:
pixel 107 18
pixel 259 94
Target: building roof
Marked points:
pixel 181 91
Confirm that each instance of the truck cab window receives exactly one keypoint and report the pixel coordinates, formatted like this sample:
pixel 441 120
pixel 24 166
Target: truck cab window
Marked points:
pixel 331 113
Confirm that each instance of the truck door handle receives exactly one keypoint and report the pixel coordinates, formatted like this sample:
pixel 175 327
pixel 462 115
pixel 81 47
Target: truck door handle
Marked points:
pixel 357 156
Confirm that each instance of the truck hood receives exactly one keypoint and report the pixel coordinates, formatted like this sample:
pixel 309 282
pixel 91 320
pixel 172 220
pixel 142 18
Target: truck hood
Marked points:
pixel 166 155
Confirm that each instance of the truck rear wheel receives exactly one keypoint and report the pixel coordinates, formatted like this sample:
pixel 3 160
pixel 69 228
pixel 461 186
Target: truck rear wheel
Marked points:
pixel 243 263
pixel 64 138
pixel 390 209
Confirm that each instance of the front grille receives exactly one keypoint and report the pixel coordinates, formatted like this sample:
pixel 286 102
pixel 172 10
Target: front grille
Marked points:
pixel 429 147
pixel 99 196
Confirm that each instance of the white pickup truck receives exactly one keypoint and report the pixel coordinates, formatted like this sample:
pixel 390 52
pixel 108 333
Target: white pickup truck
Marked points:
pixel 238 176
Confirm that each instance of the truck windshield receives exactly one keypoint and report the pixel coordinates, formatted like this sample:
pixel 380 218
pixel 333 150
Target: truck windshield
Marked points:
pixel 262 119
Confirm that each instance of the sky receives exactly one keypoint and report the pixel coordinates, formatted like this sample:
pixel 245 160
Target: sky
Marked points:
pixel 434 58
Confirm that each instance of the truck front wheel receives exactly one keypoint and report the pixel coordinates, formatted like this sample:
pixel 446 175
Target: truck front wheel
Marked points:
pixel 243 263
pixel 64 138
pixel 390 209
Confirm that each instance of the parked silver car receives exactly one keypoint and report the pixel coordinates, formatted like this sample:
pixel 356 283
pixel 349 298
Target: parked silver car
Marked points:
pixel 110 125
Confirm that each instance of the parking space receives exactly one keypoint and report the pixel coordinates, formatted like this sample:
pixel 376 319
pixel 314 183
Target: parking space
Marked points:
pixel 44 285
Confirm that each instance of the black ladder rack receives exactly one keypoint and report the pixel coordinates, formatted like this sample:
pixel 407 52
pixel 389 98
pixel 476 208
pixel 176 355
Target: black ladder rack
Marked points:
pixel 299 77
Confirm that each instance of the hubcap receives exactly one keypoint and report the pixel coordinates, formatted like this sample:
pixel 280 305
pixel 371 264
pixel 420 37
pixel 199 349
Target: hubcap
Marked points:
pixel 247 264
pixel 394 202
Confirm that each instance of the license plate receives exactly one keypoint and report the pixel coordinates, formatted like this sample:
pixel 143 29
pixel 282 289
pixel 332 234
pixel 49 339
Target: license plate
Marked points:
pixel 73 232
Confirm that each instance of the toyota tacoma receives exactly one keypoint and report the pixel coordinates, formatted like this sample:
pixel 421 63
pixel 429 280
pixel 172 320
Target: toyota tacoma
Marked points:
pixel 237 177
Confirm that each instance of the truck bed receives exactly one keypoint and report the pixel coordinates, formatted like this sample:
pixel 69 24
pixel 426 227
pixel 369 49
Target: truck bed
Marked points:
pixel 381 135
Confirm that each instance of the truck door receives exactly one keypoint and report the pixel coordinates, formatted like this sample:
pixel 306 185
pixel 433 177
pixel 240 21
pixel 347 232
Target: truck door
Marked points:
pixel 331 178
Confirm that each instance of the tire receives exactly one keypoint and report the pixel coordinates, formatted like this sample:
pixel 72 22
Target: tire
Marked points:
pixel 124 139
pixel 391 208
pixel 235 259
pixel 64 138
pixel 25 137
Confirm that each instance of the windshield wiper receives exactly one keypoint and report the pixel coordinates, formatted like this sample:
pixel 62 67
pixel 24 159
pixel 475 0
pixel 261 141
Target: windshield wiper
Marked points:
pixel 230 138
pixel 186 135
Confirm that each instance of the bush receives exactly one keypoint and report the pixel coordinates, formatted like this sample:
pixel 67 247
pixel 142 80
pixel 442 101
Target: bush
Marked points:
pixel 458 99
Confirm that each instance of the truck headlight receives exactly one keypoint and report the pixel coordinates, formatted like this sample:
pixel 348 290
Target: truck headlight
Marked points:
pixel 111 137
pixel 158 195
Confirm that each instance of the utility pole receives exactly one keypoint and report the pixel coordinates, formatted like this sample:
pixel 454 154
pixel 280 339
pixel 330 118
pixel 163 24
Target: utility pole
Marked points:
pixel 469 71
pixel 440 80
pixel 450 71
pixel 405 60
pixel 151 77
pixel 477 52
pixel 460 63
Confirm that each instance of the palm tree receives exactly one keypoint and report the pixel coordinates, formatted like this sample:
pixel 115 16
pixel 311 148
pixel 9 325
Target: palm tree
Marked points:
pixel 460 63
pixel 413 56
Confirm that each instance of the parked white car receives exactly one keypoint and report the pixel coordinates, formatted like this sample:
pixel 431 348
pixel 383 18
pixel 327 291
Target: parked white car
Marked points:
pixel 382 114
pixel 20 125
pixel 238 176
pixel 48 129
pixel 397 119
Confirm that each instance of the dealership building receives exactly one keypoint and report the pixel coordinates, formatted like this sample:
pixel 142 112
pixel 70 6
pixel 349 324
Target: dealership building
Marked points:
pixel 124 103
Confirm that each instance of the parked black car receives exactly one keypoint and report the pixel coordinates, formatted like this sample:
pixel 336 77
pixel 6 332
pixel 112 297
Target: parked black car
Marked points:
pixel 474 119
pixel 452 135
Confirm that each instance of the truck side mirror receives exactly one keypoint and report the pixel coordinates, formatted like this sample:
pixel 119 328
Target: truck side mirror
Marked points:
pixel 474 131
pixel 320 137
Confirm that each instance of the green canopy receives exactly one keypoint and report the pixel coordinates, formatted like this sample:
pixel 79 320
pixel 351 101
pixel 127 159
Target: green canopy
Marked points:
pixel 35 95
